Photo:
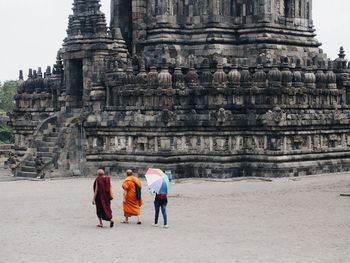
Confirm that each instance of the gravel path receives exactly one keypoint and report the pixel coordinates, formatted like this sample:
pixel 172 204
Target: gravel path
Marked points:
pixel 283 220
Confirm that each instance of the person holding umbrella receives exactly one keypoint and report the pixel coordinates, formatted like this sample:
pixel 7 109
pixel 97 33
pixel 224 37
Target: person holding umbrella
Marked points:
pixel 160 202
pixel 159 184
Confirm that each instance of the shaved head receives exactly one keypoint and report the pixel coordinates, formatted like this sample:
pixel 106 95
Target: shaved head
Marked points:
pixel 129 172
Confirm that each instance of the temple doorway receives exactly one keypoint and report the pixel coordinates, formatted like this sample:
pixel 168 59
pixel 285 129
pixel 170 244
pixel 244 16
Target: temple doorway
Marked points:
pixel 75 82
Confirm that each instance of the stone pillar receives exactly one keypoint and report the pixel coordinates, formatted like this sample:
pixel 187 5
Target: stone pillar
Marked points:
pixel 296 8
pixel 130 144
pixel 212 7
pixel 309 12
pixel 164 7
pixel 151 8
pixel 139 27
pixel 303 9
pixel 264 11
pixel 233 8
pixel 225 8
pixel 282 5
pixel 114 14
pixel 161 7
pixel 164 12
pixel 292 8
pixel 184 145
pixel 214 10
pixel 274 9
pixel 156 146
pixel 122 19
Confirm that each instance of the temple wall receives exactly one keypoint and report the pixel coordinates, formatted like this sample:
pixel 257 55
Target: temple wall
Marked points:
pixel 180 28
pixel 204 88
pixel 232 151
pixel 262 125
pixel 185 49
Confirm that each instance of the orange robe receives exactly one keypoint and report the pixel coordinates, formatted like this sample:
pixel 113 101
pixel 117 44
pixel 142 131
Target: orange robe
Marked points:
pixel 132 205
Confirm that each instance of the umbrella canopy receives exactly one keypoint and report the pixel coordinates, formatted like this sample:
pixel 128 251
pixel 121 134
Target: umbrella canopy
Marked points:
pixel 157 181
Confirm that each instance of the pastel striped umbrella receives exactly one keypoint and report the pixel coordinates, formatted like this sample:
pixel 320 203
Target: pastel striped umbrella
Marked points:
pixel 157 181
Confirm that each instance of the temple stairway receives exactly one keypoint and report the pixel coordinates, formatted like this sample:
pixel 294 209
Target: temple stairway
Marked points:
pixel 46 148
pixel 28 169
pixel 44 151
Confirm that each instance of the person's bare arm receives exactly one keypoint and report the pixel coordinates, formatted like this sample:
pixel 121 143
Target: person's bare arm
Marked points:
pixel 95 194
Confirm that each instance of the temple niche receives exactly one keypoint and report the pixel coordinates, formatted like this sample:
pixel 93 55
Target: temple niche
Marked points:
pixel 204 88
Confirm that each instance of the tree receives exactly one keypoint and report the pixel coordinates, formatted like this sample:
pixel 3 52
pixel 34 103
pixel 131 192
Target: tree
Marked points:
pixel 7 92
pixel 6 134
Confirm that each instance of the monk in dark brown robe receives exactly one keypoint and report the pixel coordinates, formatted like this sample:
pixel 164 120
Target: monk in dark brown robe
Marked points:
pixel 132 197
pixel 102 198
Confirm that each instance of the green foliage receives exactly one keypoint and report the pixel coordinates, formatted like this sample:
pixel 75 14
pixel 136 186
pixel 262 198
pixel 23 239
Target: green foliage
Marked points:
pixel 7 92
pixel 6 134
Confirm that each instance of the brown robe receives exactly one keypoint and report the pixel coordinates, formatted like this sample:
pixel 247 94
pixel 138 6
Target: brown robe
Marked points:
pixel 103 202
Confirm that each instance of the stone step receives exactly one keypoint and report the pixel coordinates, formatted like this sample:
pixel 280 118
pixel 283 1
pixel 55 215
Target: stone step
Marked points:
pixel 50 139
pixel 20 148
pixel 48 144
pixel 64 123
pixel 45 149
pixel 53 134
pixel 29 163
pixel 67 116
pixel 76 110
pixel 46 159
pixel 73 111
pixel 45 154
pixel 28 169
pixel 20 153
pixel 26 174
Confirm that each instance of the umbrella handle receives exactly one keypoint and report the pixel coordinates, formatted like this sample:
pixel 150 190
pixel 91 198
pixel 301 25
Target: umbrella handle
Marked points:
pixel 151 191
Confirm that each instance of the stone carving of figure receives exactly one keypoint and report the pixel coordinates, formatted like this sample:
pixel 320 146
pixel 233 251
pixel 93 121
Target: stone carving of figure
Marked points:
pixel 215 7
pixel 299 8
pixel 198 7
pixel 221 115
pixel 281 7
pixel 151 6
pixel 162 7
pixel 250 7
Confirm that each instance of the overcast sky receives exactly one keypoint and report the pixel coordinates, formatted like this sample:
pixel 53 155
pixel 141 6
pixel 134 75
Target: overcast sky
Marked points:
pixel 33 30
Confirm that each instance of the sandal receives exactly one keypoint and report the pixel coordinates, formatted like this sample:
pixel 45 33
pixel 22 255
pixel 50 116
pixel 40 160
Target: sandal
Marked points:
pixel 111 224
pixel 99 225
pixel 139 223
pixel 124 222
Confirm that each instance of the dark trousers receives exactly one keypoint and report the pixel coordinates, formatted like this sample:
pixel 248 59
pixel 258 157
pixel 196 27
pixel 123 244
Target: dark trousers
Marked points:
pixel 160 205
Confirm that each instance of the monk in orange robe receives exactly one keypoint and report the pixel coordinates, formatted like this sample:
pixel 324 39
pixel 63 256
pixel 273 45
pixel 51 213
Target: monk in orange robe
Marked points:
pixel 132 201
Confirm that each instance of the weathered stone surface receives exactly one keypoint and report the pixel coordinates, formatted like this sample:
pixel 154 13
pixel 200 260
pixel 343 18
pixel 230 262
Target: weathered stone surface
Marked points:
pixel 236 87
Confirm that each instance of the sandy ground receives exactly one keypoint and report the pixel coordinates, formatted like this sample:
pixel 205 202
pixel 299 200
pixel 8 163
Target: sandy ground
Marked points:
pixel 284 220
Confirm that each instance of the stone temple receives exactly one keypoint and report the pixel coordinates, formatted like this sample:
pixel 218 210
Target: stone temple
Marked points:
pixel 204 88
